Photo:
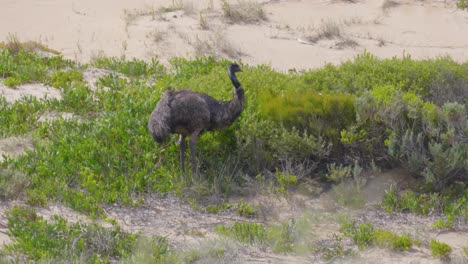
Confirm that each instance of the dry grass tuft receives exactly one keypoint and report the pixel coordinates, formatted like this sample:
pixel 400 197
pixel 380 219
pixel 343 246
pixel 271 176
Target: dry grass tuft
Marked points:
pixel 157 12
pixel 217 46
pixel 243 12
pixel 13 44
pixel 156 35
pixel 346 43
pixel 203 22
pixel 327 30
pixel 388 4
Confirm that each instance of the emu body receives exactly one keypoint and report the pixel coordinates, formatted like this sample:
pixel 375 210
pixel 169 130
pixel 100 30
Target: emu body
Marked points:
pixel 189 113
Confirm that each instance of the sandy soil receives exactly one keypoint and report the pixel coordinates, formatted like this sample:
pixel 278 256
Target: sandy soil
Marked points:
pixel 84 29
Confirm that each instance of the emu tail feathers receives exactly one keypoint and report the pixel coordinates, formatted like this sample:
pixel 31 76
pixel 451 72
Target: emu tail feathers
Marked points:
pixel 159 122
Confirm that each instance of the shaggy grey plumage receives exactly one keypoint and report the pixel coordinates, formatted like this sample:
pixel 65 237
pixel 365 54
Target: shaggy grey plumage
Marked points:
pixel 189 113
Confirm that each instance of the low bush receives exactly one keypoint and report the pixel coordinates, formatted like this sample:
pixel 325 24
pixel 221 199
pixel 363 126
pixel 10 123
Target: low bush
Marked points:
pixel 439 249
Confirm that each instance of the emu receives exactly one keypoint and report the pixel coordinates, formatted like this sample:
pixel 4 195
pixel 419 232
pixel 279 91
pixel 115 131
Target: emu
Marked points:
pixel 189 113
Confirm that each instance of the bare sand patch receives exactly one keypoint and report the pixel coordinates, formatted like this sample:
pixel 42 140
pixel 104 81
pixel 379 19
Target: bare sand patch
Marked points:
pixel 40 91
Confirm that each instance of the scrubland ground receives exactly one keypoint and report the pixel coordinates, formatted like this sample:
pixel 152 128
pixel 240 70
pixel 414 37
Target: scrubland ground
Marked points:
pixel 363 161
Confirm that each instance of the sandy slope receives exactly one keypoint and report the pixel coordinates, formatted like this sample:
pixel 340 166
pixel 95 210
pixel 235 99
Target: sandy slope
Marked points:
pixel 83 29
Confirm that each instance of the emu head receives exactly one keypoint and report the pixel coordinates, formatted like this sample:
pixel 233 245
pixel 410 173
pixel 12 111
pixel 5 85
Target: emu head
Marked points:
pixel 234 67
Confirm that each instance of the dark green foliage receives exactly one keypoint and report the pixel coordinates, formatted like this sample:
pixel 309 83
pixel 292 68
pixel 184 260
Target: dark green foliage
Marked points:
pixel 40 239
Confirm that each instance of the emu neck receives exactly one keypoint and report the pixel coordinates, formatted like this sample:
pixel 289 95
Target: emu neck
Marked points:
pixel 236 105
pixel 234 80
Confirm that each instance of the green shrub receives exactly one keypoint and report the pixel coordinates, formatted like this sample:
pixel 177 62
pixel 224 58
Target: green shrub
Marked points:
pixel 388 239
pixel 363 234
pixel 12 81
pixel 440 249
pixel 444 223
pixel 245 209
pixel 462 4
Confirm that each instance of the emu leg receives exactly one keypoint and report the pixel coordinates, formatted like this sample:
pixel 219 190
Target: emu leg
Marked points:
pixel 193 151
pixel 182 152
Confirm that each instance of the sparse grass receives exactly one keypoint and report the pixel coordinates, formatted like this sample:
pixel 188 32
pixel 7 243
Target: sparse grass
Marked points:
pixel 245 11
pixel 282 238
pixel 130 16
pixel 439 249
pixel 336 249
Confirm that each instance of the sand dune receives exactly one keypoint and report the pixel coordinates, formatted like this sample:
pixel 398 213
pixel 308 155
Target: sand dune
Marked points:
pixel 83 29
